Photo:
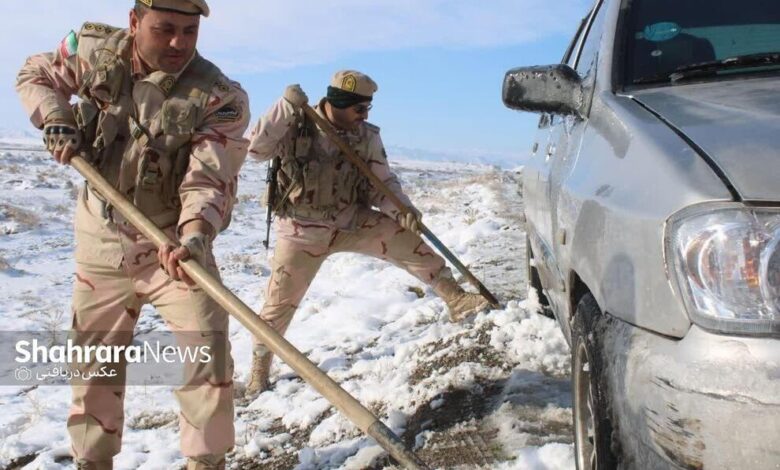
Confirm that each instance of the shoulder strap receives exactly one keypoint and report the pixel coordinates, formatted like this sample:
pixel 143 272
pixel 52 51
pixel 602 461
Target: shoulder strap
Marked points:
pixel 198 81
pixel 97 30
pixel 371 127
pixel 109 45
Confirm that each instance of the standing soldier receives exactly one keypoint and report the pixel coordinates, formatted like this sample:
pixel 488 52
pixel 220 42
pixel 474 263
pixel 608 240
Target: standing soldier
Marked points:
pixel 324 205
pixel 165 127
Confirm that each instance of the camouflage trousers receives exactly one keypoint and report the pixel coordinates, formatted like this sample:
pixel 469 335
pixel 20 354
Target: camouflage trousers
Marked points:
pixel 302 247
pixel 117 272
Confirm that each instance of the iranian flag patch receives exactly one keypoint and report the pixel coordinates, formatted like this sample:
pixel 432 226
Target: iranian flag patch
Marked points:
pixel 69 45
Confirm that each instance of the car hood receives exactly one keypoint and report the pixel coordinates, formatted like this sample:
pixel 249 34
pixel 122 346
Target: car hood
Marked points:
pixel 736 122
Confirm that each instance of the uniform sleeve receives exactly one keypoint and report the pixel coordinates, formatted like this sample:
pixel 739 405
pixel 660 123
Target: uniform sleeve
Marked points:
pixel 46 83
pixel 377 162
pixel 209 187
pixel 271 129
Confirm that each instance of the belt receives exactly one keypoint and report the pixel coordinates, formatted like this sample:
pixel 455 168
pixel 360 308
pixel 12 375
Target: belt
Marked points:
pixel 308 212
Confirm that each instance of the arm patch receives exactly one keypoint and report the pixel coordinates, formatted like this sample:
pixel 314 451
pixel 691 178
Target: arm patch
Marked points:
pixel 69 46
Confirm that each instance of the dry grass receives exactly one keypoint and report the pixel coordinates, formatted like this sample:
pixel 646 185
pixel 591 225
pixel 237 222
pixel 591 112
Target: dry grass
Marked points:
pixel 153 420
pixel 470 215
pixel 245 198
pixel 24 219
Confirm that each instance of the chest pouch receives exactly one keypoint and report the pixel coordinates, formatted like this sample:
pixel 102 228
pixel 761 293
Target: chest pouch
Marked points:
pixel 179 117
pixel 86 114
pixel 105 83
pixel 302 142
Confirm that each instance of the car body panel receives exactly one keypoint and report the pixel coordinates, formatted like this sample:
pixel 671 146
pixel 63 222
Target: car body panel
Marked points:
pixel 707 401
pixel 736 122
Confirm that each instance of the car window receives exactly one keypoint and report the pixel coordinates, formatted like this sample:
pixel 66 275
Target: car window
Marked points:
pixel 664 36
pixel 590 48
pixel 569 59
pixel 571 52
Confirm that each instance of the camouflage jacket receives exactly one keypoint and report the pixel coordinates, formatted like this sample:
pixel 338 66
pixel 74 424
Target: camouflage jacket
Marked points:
pixel 173 143
pixel 324 187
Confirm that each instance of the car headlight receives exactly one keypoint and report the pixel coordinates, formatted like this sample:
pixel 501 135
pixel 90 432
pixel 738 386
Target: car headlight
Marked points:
pixel 725 259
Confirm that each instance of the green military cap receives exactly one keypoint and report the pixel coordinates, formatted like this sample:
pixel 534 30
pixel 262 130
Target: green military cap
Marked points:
pixel 354 82
pixel 187 7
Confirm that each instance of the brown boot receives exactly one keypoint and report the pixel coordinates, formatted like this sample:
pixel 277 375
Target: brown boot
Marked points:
pixel 461 304
pixel 206 462
pixel 261 371
pixel 88 465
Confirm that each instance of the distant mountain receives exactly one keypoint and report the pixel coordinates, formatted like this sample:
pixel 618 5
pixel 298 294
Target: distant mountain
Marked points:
pixel 503 160
pixel 20 137
pixel 395 152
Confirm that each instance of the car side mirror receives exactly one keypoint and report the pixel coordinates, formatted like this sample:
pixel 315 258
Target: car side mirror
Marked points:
pixel 555 89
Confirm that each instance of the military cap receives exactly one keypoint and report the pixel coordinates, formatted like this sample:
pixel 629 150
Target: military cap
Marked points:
pixel 354 82
pixel 187 7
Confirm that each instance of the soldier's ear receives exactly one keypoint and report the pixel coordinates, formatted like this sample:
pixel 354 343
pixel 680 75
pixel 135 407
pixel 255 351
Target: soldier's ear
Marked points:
pixel 134 21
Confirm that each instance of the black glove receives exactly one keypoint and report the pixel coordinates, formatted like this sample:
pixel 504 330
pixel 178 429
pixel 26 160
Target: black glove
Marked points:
pixel 62 140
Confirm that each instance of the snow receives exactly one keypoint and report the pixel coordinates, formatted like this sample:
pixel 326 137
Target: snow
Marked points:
pixel 542 458
pixel 363 322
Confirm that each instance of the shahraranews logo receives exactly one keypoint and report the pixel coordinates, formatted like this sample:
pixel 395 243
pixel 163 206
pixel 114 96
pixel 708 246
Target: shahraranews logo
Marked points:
pixel 35 353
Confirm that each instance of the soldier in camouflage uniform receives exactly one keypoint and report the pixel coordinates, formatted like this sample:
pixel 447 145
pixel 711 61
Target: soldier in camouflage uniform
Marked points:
pixel 325 205
pixel 165 127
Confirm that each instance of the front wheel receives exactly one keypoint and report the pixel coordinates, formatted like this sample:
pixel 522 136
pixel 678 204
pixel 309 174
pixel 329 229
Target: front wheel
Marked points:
pixel 593 435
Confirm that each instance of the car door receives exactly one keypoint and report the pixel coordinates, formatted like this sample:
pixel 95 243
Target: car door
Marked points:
pixel 536 178
pixel 551 162
pixel 563 150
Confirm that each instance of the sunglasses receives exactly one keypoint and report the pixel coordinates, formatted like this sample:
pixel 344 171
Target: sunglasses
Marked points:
pixel 362 108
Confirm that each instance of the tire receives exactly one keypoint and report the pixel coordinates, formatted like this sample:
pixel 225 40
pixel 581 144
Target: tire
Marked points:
pixel 593 437
pixel 534 282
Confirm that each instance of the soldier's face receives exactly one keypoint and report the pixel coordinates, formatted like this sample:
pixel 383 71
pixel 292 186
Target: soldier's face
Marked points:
pixel 165 40
pixel 350 118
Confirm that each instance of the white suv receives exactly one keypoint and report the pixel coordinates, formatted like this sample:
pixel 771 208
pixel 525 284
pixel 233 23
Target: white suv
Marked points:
pixel 652 201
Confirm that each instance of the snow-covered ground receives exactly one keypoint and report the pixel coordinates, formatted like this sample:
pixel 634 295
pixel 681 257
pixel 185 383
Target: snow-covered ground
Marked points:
pixel 491 393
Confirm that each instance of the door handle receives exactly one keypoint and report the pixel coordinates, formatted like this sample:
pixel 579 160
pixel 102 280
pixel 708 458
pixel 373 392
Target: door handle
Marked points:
pixel 550 150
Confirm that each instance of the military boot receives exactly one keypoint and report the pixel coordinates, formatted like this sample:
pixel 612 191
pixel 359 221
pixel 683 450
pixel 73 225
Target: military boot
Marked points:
pixel 261 371
pixel 460 303
pixel 82 464
pixel 206 462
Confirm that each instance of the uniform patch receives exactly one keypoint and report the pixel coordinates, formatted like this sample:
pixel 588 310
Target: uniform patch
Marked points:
pixel 148 3
pixel 222 86
pixel 69 45
pixel 229 113
pixel 166 85
pixel 349 83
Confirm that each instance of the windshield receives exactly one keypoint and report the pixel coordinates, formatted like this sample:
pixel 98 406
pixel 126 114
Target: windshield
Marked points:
pixel 667 35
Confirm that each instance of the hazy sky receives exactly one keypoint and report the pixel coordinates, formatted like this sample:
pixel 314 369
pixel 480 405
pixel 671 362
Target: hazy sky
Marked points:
pixel 439 63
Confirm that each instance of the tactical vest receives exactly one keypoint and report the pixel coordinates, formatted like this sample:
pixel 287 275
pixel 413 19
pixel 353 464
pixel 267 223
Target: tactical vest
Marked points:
pixel 311 183
pixel 144 155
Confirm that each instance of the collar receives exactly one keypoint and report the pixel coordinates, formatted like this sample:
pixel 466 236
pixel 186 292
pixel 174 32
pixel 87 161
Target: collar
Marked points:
pixel 163 80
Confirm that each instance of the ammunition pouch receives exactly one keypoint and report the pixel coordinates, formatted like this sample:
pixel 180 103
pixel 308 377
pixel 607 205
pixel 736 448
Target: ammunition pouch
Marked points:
pixel 312 185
